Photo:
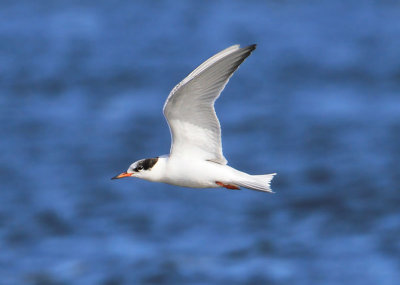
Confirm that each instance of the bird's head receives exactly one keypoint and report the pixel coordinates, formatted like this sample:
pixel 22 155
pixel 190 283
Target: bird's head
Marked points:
pixel 139 169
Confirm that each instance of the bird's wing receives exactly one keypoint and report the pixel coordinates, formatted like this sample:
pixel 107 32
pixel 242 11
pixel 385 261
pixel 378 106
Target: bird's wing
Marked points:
pixel 189 108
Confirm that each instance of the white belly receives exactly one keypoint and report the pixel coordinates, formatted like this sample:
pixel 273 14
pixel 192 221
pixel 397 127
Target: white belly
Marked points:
pixel 197 174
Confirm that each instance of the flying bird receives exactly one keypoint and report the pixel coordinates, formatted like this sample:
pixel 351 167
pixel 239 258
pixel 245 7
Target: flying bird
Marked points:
pixel 196 158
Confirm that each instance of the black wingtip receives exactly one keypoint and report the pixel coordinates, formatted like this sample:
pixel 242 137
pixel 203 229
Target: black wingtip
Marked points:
pixel 248 49
pixel 252 47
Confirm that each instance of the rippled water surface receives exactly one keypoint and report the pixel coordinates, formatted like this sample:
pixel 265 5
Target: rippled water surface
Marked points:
pixel 82 87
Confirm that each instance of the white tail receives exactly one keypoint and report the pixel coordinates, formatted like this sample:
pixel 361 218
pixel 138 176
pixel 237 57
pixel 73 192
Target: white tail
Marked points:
pixel 257 182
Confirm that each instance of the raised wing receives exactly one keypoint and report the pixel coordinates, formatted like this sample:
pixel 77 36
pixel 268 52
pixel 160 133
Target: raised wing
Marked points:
pixel 189 108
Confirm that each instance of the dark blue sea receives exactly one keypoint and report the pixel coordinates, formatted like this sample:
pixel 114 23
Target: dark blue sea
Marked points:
pixel 82 86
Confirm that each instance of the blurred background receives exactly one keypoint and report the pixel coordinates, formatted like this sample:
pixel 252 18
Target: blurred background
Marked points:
pixel 82 87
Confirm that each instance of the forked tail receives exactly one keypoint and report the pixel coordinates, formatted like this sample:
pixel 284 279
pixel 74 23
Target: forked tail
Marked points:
pixel 257 182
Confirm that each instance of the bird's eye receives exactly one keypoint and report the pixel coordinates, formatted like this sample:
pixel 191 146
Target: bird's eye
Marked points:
pixel 140 167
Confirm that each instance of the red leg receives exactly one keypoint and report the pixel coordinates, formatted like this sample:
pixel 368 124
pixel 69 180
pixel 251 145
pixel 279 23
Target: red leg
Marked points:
pixel 227 186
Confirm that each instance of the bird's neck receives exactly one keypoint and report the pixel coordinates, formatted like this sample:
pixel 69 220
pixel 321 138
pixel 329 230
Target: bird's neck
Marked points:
pixel 159 170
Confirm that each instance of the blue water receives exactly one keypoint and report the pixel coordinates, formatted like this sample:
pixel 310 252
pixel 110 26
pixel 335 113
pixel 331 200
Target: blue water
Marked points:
pixel 82 85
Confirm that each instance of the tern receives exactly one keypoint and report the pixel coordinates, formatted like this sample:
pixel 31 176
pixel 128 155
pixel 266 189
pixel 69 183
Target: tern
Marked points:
pixel 196 158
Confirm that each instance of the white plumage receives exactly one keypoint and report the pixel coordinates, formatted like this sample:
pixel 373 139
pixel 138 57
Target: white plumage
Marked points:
pixel 196 158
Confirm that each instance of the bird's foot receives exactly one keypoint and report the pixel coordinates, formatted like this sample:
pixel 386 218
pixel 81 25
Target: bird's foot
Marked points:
pixel 227 186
